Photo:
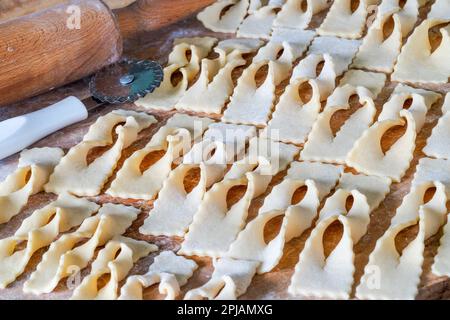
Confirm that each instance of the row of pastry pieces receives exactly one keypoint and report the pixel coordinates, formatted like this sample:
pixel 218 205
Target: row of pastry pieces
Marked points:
pixel 391 22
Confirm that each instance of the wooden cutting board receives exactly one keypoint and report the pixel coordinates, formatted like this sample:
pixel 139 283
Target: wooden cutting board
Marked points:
pixel 272 285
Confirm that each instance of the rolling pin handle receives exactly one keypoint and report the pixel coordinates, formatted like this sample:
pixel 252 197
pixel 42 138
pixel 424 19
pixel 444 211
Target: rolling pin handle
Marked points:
pixel 20 132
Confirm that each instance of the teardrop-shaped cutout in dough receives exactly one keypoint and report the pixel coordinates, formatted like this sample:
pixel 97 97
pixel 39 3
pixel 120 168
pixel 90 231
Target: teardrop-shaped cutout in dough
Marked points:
pixel 150 159
pixel 191 179
pixel 273 228
pixel 261 75
pixel 331 237
pixel 304 5
pixel 402 3
pixel 405 237
pixel 435 36
pixel 319 67
pixel 299 194
pixel 305 92
pixel 176 77
pixel 354 5
pixel 388 27
pixel 391 136
pixel 235 194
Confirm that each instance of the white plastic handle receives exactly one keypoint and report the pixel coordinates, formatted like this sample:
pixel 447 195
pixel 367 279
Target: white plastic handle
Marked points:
pixel 20 132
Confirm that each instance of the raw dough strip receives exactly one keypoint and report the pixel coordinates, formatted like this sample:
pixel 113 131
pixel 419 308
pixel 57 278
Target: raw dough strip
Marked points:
pixel 341 50
pixel 116 259
pixel 292 15
pixel 230 279
pixel 39 230
pixel 407 15
pixel 250 245
pixel 175 139
pixel 416 55
pixel 252 105
pixel 390 275
pixel 438 144
pixel 168 269
pixel 215 83
pixel 167 95
pixel 293 119
pixel 332 276
pixel 321 144
pixel 325 80
pixel 75 176
pixel 429 170
pixel 212 17
pixel 258 24
pixel 422 101
pixel 214 226
pixel 341 22
pixel 33 171
pixel 440 10
pixel 64 256
pixel 368 157
pixel 373 81
pixel 378 53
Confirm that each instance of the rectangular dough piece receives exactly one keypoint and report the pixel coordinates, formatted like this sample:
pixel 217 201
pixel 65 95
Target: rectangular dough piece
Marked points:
pixel 74 175
pixel 416 55
pixel 212 17
pixel 341 50
pixel 373 81
pixel 332 276
pixel 342 22
pixel 16 189
pixel 438 144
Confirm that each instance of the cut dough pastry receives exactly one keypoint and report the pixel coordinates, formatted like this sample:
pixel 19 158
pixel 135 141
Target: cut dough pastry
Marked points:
pixel 293 118
pixel 377 52
pixel 416 55
pixel 64 257
pixel 421 102
pixel 33 171
pixel 116 259
pixel 250 243
pixel 174 209
pixel 437 170
pixel 342 22
pixel 368 157
pixel 298 41
pixel 215 83
pixel 408 14
pixel 74 175
pixel 321 144
pixel 215 226
pixel 332 276
pixel 167 94
pixel 230 279
pixel 371 80
pixel 212 17
pixel 325 80
pixel 175 139
pixel 440 10
pixel 168 269
pixel 438 144
pixel 293 16
pixel 39 230
pixel 341 50
pixel 393 275
pixel 259 23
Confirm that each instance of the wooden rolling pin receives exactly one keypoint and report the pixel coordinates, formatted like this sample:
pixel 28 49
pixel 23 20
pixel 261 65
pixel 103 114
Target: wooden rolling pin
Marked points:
pixel 48 49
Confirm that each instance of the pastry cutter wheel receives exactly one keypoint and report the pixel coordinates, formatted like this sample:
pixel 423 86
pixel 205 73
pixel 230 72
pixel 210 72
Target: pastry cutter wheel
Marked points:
pixel 122 82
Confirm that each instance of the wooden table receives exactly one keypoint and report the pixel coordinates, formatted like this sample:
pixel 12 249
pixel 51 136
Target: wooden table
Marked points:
pixel 272 285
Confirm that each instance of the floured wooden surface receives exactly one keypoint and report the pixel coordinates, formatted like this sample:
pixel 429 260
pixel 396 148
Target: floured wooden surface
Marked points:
pixel 272 285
